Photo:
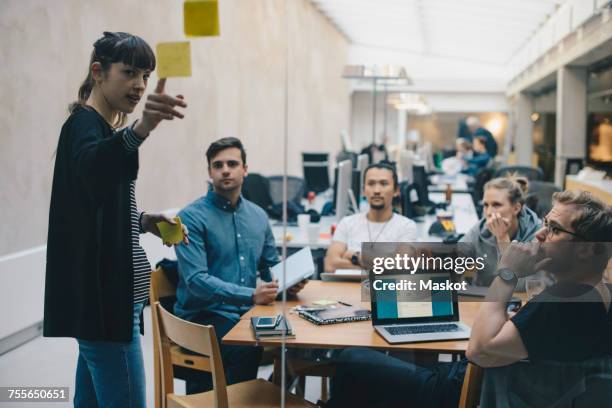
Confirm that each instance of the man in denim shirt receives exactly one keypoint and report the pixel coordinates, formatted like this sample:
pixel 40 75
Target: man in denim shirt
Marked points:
pixel 230 240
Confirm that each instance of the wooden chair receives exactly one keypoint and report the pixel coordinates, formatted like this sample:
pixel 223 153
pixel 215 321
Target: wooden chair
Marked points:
pixel 470 391
pixel 161 288
pixel 202 339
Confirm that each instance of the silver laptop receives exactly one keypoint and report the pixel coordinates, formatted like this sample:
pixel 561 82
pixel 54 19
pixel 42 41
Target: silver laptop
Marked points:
pixel 299 266
pixel 412 316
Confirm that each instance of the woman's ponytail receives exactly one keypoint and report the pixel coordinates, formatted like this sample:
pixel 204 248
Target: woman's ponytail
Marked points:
pixel 84 90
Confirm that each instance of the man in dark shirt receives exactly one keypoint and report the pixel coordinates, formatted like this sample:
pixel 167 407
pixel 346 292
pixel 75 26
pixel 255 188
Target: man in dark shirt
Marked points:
pixel 568 322
pixel 565 332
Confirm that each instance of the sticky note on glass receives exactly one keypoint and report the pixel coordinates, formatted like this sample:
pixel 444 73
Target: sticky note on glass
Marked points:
pixel 201 18
pixel 173 59
pixel 171 234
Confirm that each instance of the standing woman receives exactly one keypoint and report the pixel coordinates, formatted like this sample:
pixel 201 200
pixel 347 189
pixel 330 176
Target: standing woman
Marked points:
pixel 97 273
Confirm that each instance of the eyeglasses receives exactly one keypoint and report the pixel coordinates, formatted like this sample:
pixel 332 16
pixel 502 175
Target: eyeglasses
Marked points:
pixel 554 229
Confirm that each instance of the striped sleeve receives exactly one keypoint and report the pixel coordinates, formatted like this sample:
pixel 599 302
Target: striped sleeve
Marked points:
pixel 131 142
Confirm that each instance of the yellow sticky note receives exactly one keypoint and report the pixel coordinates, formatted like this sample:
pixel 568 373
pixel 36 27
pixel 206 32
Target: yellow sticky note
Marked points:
pixel 173 59
pixel 201 18
pixel 171 234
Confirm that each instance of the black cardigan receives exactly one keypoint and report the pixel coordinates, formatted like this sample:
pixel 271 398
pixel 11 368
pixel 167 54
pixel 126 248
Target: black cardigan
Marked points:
pixel 89 283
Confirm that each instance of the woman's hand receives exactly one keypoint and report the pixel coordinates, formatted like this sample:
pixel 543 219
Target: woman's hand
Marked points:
pixel 499 226
pixel 149 224
pixel 159 106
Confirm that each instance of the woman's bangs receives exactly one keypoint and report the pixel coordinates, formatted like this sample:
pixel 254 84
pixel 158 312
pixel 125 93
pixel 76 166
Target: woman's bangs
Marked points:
pixel 136 52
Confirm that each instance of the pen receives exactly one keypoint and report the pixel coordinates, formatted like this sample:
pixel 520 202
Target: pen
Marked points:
pixel 278 319
pixel 345 304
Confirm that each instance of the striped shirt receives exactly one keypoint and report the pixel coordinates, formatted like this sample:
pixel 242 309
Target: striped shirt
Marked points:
pixel 142 268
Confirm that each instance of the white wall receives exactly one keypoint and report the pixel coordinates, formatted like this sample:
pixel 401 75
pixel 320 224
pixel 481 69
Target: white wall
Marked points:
pixel 238 88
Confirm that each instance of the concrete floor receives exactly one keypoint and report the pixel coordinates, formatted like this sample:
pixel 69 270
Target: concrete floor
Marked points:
pixel 52 362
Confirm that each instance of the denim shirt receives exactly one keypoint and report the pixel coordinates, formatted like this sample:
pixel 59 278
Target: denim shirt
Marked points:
pixel 227 246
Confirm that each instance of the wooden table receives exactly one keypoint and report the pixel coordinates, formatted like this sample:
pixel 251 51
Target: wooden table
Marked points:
pixel 354 334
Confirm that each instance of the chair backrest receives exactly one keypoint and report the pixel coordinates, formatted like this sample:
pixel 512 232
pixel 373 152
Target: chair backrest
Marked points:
pixel 532 173
pixel 480 179
pixel 406 199
pixel 256 188
pixel 470 391
pixel 194 337
pixel 161 287
pixel 295 189
pixel 316 171
pixel 539 196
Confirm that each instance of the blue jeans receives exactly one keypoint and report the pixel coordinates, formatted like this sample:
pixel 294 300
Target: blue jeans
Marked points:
pixel 111 374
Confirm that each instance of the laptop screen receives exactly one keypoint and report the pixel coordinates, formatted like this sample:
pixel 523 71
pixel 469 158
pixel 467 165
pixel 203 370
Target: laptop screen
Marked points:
pixel 420 301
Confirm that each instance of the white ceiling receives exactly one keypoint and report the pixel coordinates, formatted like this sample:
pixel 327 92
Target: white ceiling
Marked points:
pixel 472 31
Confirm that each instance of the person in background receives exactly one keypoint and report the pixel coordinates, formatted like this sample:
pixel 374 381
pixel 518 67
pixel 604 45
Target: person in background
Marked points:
pixel 479 159
pixel 97 278
pixel 473 124
pixel 505 218
pixel 379 224
pixel 464 151
pixel 231 241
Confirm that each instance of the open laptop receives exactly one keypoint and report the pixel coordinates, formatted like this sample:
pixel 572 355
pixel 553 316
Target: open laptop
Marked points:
pixel 413 316
pixel 299 266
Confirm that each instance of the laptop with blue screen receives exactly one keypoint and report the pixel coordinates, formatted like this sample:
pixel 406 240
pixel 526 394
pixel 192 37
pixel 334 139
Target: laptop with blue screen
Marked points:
pixel 405 316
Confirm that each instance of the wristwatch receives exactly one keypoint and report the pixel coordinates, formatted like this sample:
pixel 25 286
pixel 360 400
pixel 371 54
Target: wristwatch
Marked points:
pixel 507 275
pixel 355 259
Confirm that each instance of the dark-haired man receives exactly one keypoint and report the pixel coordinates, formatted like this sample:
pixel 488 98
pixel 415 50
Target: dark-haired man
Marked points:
pixel 379 224
pixel 230 241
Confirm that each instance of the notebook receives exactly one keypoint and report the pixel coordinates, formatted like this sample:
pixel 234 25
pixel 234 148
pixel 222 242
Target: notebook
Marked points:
pixel 332 315
pixel 283 327
pixel 299 267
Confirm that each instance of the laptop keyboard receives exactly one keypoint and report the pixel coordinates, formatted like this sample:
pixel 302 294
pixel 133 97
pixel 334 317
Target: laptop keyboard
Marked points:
pixel 420 329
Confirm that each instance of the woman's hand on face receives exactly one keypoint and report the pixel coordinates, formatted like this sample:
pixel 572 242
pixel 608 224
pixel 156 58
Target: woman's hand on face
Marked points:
pixel 159 106
pixel 149 224
pixel 499 226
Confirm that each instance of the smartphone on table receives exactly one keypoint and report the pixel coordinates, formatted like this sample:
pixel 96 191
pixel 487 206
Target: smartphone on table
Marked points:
pixel 268 322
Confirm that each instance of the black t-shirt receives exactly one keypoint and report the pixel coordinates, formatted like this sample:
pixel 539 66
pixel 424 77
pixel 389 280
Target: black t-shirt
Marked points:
pixel 554 326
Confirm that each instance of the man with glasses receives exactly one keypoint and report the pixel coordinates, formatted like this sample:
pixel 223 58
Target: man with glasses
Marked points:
pixel 570 322
pixel 572 245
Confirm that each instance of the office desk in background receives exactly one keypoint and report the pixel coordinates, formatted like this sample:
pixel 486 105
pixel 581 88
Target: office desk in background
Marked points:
pixel 458 183
pixel 353 334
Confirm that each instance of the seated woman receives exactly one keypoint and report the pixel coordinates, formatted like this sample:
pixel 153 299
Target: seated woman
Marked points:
pixel 480 157
pixel 506 218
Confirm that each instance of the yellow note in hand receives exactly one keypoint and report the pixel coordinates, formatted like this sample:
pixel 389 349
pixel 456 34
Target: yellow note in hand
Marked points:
pixel 171 234
pixel 201 18
pixel 173 59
